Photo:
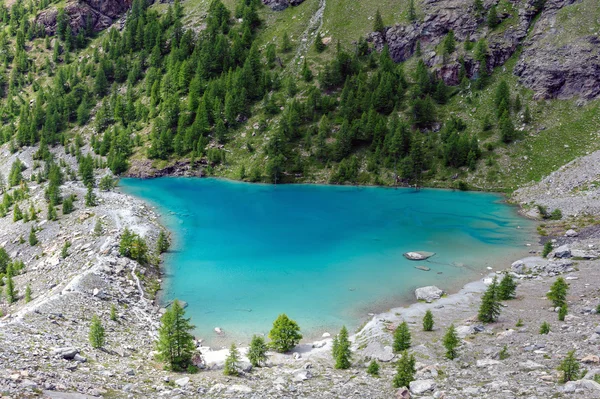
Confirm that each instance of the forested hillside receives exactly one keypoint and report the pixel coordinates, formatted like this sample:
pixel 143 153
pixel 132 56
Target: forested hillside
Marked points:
pixel 243 91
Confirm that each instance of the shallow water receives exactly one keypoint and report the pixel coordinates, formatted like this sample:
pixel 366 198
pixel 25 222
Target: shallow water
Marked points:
pixel 324 255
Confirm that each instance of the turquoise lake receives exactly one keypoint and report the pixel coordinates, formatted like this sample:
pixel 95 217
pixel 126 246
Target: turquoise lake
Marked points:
pixel 326 256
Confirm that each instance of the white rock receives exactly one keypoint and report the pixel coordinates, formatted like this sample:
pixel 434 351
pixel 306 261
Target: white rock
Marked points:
pixel 429 293
pixel 182 381
pixel 239 388
pixel 326 335
pixel 488 362
pixel 419 387
pixel 571 233
pixel 530 365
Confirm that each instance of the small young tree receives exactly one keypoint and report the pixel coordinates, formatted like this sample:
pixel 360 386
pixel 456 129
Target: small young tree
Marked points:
pixel 558 292
pixel 402 337
pixel 90 197
pixel 428 321
pixel 285 334
pixel 412 13
pixel 341 350
pixel 570 368
pixel 547 249
pixel 11 293
pixel 28 294
pixel 17 214
pixel 96 333
pixel 163 242
pixel 373 368
pixel 67 206
pixel 544 328
pixel 319 45
pixel 378 23
pixel 451 342
pixel 286 44
pixel 257 354
pixel 113 312
pixel 232 362
pixel 405 370
pixel 562 313
pixel 175 344
pixel 32 237
pixel 492 17
pixel 507 288
pixel 490 307
pixel 98 228
pixel 64 252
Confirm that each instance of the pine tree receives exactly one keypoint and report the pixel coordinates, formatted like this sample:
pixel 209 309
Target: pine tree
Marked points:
pixel 402 337
pixel 507 288
pixel 113 312
pixel 28 294
pixel 570 368
pixel 163 242
pixel 32 237
pixel 341 350
pixel 490 307
pixel 17 214
pixel 232 362
pixel 527 115
pixel 544 328
pixel 286 44
pixel 507 129
pixel 90 197
pixel 373 368
pixel 405 370
pixel 96 334
pixel 378 23
pixel 428 321
pixel 492 18
pixel 257 353
pixel 11 293
pixel 306 73
pixel 558 293
pixel 412 14
pixel 100 83
pixel 175 343
pixel 319 45
pixel 562 312
pixel 67 206
pixel 285 334
pixel 451 342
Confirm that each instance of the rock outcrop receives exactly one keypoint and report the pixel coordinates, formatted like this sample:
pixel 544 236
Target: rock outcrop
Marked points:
pixel 99 14
pixel 556 61
pixel 280 5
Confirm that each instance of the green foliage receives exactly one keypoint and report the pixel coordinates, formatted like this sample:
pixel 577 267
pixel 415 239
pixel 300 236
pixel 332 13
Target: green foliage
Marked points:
pixel 107 183
pixel 32 237
pixel 232 362
pixel 492 17
pixel 96 334
pixel 507 288
pixel 519 323
pixel 113 312
pixel 162 243
pixel 405 370
pixel 133 246
pixel 569 367
pixel 15 176
pixel 402 337
pixel 17 214
pixel 547 248
pixel 90 197
pixel 5 260
pixel 98 228
pixel 451 342
pixel 412 14
pixel 562 312
pixel 544 328
pixel 428 321
pixel 28 294
pixel 9 289
pixel 341 350
pixel 503 354
pixel 175 343
pixel 319 45
pixel 489 310
pixel 257 353
pixel 378 23
pixel 67 206
pixel 286 44
pixel 373 368
pixel 558 293
pixel 285 334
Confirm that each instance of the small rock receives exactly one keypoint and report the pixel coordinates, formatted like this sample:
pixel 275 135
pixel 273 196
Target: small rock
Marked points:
pixel 182 381
pixel 571 233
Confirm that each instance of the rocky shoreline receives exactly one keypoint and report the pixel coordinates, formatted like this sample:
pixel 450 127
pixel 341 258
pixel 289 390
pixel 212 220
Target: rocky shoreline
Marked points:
pixel 44 350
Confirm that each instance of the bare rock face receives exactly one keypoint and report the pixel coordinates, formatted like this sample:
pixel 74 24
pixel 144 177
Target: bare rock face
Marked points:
pixel 280 5
pixel 100 13
pixel 556 61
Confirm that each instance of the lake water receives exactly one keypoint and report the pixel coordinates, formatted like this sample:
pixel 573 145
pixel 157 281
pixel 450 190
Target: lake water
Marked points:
pixel 326 256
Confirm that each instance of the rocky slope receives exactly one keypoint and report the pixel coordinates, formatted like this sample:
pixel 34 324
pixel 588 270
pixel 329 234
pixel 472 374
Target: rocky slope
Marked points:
pixel 554 62
pixel 99 14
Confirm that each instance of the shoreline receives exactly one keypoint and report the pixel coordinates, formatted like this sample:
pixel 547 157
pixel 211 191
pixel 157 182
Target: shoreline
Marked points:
pixel 362 321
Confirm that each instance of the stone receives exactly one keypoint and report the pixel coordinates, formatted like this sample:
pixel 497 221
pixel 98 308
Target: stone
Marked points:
pixel 301 375
pixel 280 5
pixel 463 331
pixel 79 358
pixel 488 362
pixel 419 387
pixel 376 350
pixel 530 365
pixel 403 393
pixel 424 268
pixel 591 359
pixel 571 233
pixel 246 367
pixel 418 255
pixel 239 388
pixel 182 381
pixel 428 294
pixel 519 267
pixel 66 353
pixel 562 252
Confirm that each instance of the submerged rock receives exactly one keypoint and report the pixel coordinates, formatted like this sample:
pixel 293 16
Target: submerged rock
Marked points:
pixel 424 268
pixel 429 293
pixel 418 255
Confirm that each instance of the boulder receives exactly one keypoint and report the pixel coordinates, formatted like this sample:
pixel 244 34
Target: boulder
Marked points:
pixel 418 255
pixel 519 267
pixel 182 381
pixel 376 350
pixel 419 387
pixel 403 393
pixel 301 375
pixel 562 252
pixel 429 293
pixel 530 365
pixel 280 5
pixel 571 233
pixel 239 388
pixel 66 352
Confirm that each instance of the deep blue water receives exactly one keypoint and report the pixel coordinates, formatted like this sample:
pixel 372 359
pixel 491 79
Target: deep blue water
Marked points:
pixel 324 255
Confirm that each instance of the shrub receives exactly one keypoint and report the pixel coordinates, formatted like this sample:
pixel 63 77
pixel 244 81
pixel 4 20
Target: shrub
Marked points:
pixel 285 334
pixel 503 354
pixel 373 368
pixel 547 248
pixel 428 321
pixel 96 333
pixel 519 323
pixel 544 328
pixel 570 367
pixel 562 312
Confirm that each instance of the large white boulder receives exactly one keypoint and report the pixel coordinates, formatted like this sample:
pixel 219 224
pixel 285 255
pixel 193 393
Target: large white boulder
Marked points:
pixel 429 293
